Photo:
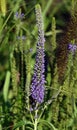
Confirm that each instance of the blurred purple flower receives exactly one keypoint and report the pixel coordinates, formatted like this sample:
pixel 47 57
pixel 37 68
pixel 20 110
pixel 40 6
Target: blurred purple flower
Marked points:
pixel 23 37
pixel 16 15
pixel 31 109
pixel 38 80
pixel 28 51
pixel 19 16
pixel 72 47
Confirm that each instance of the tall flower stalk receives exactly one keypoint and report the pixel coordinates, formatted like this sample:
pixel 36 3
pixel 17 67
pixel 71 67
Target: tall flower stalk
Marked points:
pixel 38 80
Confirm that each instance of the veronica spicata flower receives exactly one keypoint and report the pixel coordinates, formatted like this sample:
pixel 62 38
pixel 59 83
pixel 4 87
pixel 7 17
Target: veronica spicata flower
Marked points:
pixel 38 80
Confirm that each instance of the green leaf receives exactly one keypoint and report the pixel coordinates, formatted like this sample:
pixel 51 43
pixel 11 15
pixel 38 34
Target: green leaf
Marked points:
pixel 6 86
pixel 50 125
pixel 21 123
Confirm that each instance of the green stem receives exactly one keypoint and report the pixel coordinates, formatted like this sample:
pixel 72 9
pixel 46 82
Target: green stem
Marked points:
pixel 23 127
pixel 36 120
pixel 47 7
pixel 6 21
pixel 28 72
pixel 32 117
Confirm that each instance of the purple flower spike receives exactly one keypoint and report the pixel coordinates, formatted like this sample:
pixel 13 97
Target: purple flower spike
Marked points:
pixel 38 80
pixel 72 47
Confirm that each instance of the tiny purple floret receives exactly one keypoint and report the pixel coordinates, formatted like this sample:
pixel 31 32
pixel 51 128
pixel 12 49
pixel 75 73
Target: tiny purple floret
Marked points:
pixel 72 47
pixel 19 16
